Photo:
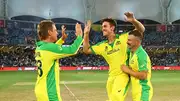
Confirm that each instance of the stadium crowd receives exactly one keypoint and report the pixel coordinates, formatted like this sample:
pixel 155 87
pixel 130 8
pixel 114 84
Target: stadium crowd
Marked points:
pixel 25 57
pixel 162 47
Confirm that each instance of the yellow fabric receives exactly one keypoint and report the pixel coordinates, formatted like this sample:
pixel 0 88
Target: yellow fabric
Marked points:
pixel 47 56
pixel 60 41
pixel 115 55
pixel 142 90
pixel 117 88
pixel 47 60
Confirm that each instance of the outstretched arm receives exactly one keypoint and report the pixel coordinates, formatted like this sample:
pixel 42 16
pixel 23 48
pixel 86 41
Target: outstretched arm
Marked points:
pixel 64 51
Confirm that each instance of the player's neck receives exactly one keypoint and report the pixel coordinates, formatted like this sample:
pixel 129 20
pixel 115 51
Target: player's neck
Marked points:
pixel 47 40
pixel 133 50
pixel 111 38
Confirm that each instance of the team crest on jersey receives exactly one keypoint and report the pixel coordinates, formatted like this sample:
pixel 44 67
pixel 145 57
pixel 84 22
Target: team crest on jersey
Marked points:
pixel 118 42
pixel 106 48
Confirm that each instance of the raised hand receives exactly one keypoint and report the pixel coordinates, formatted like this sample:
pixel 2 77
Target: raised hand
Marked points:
pixel 129 17
pixel 78 29
pixel 64 35
pixel 87 27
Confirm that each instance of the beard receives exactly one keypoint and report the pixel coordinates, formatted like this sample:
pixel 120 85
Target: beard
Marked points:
pixel 130 46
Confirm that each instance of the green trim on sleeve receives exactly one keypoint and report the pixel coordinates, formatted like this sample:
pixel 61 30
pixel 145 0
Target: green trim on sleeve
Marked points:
pixel 92 50
pixel 142 61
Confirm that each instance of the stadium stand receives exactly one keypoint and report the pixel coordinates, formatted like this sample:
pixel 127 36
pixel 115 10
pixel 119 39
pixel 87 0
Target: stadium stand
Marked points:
pixel 19 37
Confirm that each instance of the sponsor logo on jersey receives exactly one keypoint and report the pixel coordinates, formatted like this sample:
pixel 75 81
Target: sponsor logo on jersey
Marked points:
pixel 118 42
pixel 113 51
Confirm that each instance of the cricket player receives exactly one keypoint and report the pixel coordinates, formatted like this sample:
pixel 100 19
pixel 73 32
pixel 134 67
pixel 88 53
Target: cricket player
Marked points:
pixel 47 55
pixel 139 68
pixel 114 51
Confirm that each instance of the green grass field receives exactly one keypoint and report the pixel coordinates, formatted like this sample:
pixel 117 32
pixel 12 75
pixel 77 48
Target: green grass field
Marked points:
pixel 85 85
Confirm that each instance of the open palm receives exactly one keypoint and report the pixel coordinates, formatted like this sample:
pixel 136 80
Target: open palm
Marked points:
pixel 129 16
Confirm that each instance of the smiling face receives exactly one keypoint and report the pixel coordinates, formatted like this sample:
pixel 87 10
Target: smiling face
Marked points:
pixel 134 39
pixel 107 28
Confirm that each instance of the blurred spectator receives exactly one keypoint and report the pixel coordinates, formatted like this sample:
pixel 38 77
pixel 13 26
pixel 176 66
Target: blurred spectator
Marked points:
pixel 159 45
pixel 24 56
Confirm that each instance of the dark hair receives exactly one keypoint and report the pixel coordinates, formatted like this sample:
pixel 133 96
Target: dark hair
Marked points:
pixel 43 28
pixel 111 21
pixel 136 33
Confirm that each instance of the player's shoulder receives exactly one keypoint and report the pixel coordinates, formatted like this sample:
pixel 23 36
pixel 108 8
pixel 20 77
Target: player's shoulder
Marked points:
pixel 141 54
pixel 47 46
pixel 124 33
pixel 101 43
pixel 121 35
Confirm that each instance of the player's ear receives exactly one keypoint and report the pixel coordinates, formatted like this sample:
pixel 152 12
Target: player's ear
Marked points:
pixel 112 28
pixel 49 32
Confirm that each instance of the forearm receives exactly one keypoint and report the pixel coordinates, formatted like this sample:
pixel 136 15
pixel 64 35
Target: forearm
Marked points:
pixel 138 26
pixel 77 43
pixel 86 44
pixel 139 75
pixel 72 49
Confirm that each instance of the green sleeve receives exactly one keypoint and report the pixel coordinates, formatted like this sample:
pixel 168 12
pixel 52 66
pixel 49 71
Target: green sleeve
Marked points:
pixel 142 62
pixel 72 49
pixel 59 49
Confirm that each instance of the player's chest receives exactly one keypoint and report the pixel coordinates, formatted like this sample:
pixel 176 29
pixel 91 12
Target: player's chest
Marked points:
pixel 113 49
pixel 133 63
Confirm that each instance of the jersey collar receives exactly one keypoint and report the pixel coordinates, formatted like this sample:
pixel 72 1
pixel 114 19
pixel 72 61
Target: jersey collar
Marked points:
pixel 139 49
pixel 40 43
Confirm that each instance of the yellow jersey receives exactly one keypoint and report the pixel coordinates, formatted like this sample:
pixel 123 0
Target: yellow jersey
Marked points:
pixel 141 89
pixel 115 54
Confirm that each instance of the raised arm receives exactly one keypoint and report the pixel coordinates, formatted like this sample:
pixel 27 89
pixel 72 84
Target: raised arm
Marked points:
pixel 60 51
pixel 64 36
pixel 129 17
pixel 86 45
pixel 72 49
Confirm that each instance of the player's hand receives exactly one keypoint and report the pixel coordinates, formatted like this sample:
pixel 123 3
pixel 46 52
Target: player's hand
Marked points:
pixel 129 17
pixel 125 68
pixel 87 27
pixel 64 35
pixel 78 29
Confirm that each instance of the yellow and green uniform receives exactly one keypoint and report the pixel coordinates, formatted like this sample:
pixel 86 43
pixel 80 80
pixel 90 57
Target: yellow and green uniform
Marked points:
pixel 47 56
pixel 141 89
pixel 115 55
